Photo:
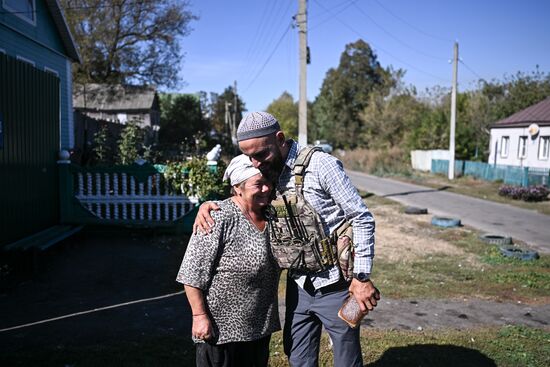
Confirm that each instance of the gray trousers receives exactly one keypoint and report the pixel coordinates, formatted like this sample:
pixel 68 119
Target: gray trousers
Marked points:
pixel 307 310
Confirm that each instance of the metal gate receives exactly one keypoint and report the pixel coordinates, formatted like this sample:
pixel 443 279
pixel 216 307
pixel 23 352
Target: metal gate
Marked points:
pixel 29 144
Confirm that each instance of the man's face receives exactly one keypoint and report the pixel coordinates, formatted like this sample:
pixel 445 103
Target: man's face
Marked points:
pixel 265 154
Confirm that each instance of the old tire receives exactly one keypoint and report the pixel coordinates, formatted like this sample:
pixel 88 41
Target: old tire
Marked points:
pixel 518 253
pixel 415 210
pixel 495 239
pixel 445 222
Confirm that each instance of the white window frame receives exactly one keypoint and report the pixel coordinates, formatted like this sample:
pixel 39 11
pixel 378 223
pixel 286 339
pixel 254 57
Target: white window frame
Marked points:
pixel 522 147
pixel 24 59
pixel 20 15
pixel 544 148
pixel 504 147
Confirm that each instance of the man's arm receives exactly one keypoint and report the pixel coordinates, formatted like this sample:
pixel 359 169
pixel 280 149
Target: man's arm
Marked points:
pixel 203 220
pixel 336 182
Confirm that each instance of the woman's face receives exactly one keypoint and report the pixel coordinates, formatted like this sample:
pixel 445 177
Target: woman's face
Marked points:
pixel 256 191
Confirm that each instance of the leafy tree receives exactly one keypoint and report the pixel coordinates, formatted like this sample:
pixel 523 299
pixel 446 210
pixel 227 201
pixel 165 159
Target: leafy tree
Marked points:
pixel 286 111
pixel 129 42
pixel 217 115
pixel 515 93
pixel 389 119
pixel 181 119
pixel 130 143
pixel 345 94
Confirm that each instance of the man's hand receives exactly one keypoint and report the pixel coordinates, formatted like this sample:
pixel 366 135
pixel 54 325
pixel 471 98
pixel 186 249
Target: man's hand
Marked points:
pixel 202 327
pixel 366 294
pixel 203 220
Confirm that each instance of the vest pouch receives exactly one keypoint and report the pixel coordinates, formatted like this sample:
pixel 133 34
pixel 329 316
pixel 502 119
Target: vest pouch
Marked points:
pixel 302 257
pixel 345 250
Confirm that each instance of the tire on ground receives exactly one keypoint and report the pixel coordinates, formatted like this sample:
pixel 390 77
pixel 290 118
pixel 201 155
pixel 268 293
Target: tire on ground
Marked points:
pixel 518 253
pixel 415 210
pixel 445 222
pixel 495 239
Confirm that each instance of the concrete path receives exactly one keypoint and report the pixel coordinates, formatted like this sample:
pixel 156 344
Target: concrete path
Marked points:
pixel 521 224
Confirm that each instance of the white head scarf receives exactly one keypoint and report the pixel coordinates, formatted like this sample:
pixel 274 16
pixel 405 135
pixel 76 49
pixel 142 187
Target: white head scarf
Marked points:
pixel 239 169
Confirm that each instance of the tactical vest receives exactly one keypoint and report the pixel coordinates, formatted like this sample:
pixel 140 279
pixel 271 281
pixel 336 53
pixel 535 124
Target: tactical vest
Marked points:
pixel 298 240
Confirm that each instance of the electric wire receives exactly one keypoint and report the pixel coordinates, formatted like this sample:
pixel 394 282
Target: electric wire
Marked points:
pixel 346 4
pixel 411 25
pixel 268 58
pixel 395 37
pixel 385 51
pixel 265 42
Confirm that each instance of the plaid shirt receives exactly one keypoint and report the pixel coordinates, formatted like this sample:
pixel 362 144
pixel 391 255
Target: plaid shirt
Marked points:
pixel 330 191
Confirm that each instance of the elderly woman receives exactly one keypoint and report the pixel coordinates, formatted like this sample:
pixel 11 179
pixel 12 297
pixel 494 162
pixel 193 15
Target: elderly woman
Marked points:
pixel 231 277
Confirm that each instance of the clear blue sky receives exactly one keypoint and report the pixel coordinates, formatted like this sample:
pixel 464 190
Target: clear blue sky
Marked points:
pixel 233 40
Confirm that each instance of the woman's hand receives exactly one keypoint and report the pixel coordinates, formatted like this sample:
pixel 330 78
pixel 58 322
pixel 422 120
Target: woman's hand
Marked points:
pixel 203 220
pixel 202 327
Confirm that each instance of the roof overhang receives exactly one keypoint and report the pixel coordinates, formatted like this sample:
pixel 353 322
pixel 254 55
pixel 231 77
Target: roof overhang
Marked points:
pixel 63 29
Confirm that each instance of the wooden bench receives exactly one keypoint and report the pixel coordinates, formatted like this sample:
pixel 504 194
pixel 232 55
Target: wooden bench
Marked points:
pixel 43 240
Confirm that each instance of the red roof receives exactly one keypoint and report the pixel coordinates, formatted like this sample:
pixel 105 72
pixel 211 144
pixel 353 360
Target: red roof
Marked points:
pixel 538 113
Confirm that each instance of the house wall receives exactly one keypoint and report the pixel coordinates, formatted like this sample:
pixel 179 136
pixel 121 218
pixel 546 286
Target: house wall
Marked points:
pixel 41 44
pixel 513 159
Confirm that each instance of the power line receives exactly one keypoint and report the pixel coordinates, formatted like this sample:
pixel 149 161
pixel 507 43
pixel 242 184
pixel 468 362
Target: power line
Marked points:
pixel 413 26
pixel 346 4
pixel 268 58
pixel 394 37
pixel 385 51
pixel 471 70
pixel 276 17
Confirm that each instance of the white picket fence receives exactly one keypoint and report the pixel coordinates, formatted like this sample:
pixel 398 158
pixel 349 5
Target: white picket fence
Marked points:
pixel 119 196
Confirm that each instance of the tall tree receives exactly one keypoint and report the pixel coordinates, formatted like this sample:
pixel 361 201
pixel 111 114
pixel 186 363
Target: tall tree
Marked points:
pixel 217 109
pixel 129 41
pixel 285 111
pixel 345 94
pixel 181 119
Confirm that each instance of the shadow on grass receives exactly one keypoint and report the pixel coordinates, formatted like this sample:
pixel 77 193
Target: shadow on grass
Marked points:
pixel 427 355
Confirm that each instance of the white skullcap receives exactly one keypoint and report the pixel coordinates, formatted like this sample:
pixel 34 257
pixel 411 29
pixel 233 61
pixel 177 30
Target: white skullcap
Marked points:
pixel 239 169
pixel 257 124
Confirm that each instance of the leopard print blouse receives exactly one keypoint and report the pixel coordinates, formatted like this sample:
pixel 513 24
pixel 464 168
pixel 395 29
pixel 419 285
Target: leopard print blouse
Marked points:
pixel 234 267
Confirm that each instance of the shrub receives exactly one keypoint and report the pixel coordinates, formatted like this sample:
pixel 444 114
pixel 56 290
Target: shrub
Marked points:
pixel 530 193
pixel 195 178
pixel 384 161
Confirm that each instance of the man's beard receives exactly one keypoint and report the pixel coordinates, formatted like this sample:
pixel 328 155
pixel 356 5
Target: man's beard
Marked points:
pixel 273 170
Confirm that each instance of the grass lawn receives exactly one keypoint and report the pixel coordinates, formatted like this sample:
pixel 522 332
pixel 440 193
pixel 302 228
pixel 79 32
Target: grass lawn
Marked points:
pixel 459 264
pixel 507 346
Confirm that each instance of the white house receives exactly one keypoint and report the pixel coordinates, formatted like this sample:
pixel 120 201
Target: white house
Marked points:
pixel 523 139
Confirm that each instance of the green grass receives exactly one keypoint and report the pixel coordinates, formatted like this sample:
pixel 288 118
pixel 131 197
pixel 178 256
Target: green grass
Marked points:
pixel 492 276
pixel 505 346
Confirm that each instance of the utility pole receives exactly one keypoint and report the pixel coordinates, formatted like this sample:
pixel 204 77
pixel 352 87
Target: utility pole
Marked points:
pixel 235 107
pixel 302 104
pixel 453 116
pixel 228 121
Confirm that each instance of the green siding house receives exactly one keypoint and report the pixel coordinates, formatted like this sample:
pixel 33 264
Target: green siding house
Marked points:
pixel 36 117
pixel 35 31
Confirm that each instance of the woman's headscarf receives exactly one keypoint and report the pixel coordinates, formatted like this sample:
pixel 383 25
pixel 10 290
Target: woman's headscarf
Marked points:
pixel 239 169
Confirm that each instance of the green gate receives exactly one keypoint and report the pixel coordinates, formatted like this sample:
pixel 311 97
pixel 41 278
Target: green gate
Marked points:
pixel 29 144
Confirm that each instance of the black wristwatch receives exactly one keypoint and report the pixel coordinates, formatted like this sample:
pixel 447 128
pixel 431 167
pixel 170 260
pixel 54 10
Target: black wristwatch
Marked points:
pixel 362 277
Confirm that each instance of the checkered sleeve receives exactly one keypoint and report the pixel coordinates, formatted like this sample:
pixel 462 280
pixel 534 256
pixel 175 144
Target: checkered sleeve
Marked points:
pixel 336 182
